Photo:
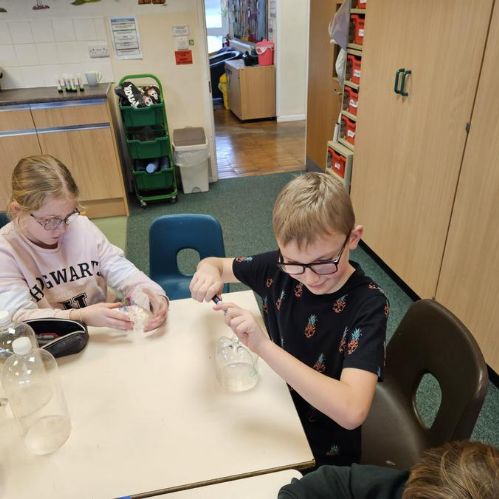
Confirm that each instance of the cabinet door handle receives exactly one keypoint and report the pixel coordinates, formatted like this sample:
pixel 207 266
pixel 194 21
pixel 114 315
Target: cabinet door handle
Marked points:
pixel 397 78
pixel 403 91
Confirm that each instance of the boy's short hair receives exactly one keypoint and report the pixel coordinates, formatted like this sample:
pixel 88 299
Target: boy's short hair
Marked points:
pixel 310 206
pixel 456 470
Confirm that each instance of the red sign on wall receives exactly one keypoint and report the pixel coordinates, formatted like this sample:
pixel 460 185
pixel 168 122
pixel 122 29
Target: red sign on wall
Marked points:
pixel 183 56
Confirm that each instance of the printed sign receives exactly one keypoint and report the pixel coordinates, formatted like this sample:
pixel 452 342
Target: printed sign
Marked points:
pixel 126 40
pixel 183 56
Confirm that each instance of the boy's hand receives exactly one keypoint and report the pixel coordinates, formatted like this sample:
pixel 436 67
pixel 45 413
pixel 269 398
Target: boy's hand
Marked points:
pixel 205 284
pixel 244 325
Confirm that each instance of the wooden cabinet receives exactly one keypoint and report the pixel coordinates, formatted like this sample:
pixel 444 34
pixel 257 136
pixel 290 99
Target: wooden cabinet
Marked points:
pixel 251 90
pixel 408 149
pixel 324 93
pixel 80 134
pixel 469 279
pixel 426 177
pixel 18 139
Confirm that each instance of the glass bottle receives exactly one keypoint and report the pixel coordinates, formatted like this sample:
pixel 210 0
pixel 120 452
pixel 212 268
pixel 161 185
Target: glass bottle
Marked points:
pixel 31 382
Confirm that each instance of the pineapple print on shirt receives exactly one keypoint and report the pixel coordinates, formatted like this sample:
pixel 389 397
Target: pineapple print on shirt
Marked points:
pixel 349 343
pixel 244 259
pixel 353 343
pixel 310 328
pixel 278 303
pixel 340 304
pixel 333 451
pixel 320 365
pixel 343 342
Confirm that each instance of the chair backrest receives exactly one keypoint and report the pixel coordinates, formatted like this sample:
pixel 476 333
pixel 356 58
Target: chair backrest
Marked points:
pixel 170 234
pixel 430 339
pixel 4 219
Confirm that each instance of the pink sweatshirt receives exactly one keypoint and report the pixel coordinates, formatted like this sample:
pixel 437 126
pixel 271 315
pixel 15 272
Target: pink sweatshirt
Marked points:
pixel 37 282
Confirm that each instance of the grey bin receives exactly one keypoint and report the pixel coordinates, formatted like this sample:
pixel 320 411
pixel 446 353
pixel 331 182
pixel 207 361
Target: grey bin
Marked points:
pixel 192 158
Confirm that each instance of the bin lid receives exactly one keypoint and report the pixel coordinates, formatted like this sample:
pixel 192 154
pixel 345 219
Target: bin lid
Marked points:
pixel 189 136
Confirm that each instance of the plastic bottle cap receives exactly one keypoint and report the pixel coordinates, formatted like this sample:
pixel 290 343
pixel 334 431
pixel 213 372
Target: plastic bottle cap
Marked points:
pixel 4 318
pixel 21 346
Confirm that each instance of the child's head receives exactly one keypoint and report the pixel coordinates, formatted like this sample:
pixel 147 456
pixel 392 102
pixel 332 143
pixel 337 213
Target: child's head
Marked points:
pixel 314 226
pixel 310 206
pixel 35 179
pixel 44 199
pixel 456 470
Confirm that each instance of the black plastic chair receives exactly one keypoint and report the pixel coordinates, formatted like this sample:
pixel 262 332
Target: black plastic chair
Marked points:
pixel 429 339
pixel 170 234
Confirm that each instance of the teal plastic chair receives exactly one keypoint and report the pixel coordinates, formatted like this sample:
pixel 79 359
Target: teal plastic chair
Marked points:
pixel 4 219
pixel 170 234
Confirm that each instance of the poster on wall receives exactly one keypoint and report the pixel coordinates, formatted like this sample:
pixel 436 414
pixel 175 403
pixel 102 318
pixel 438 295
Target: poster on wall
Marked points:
pixel 126 39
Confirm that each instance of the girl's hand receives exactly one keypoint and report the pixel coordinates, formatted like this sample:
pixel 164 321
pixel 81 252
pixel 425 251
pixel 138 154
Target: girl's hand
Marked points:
pixel 105 315
pixel 244 325
pixel 159 308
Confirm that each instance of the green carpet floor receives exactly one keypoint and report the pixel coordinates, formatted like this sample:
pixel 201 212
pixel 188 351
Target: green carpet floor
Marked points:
pixel 244 208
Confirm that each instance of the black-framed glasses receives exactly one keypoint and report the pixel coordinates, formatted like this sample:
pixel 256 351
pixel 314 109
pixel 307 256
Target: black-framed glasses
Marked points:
pixel 54 222
pixel 321 267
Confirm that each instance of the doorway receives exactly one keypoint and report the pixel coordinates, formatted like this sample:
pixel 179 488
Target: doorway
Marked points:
pixel 245 148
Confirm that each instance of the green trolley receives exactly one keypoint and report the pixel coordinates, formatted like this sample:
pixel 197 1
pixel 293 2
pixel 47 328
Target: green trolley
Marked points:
pixel 148 143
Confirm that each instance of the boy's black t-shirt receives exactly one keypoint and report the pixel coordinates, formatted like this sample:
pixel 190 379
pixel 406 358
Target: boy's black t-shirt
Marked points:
pixel 326 332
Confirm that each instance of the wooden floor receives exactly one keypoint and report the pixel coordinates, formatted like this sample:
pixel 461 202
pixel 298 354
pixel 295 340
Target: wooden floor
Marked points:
pixel 257 147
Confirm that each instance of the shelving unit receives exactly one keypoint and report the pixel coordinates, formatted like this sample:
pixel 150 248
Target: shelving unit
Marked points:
pixel 323 95
pixel 344 143
pixel 148 143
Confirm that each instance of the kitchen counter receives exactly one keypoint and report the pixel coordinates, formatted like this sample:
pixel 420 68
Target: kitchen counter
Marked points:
pixel 76 128
pixel 50 94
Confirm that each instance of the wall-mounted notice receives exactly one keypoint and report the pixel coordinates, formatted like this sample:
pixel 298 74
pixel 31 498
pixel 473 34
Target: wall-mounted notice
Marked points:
pixel 180 30
pixel 183 57
pixel 126 39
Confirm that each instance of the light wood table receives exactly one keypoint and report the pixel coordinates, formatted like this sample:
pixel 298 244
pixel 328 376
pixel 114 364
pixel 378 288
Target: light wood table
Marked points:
pixel 255 487
pixel 149 416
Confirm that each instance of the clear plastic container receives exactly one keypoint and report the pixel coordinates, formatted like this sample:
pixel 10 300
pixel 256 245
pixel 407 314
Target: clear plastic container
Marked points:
pixel 138 308
pixel 236 365
pixel 9 331
pixel 31 382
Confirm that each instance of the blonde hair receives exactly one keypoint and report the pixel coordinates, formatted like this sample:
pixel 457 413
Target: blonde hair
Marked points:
pixel 310 206
pixel 456 470
pixel 36 178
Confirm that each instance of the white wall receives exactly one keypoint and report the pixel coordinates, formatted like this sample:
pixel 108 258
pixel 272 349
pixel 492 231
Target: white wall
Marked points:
pixel 36 46
pixel 292 58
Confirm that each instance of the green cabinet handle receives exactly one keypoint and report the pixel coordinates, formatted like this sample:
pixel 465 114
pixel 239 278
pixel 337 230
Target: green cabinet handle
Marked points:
pixel 397 78
pixel 403 91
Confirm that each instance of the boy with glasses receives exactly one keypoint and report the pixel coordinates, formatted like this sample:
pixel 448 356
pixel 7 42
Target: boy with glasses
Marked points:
pixel 326 319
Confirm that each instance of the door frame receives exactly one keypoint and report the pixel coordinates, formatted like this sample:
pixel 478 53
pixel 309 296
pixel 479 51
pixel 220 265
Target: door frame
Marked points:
pixel 209 118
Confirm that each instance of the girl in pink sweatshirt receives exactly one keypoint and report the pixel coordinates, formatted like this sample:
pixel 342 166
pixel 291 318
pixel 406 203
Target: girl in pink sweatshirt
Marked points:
pixel 55 262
